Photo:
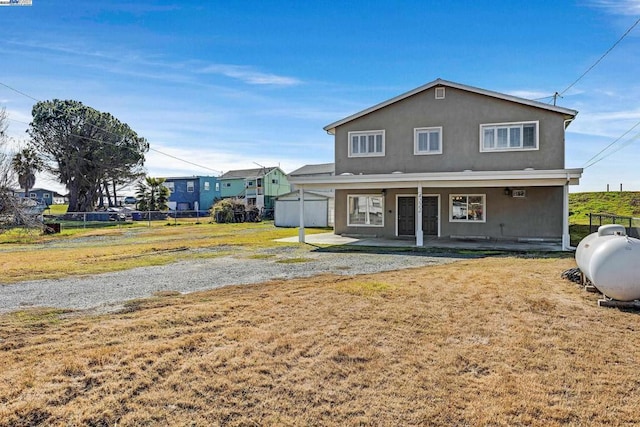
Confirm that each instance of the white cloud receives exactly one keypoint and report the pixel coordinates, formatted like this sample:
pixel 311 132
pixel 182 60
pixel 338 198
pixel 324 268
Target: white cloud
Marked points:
pixel 619 7
pixel 249 75
pixel 610 124
pixel 531 94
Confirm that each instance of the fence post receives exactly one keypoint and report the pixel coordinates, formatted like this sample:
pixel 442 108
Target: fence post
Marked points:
pixel 84 221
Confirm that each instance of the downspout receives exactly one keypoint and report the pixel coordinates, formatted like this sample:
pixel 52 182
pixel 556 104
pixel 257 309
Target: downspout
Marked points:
pixel 419 231
pixel 566 237
pixel 301 213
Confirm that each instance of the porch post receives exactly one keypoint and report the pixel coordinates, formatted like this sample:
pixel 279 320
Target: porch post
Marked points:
pixel 566 237
pixel 301 229
pixel 419 236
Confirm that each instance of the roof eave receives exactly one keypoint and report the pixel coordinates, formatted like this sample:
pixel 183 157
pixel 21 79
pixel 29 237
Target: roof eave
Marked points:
pixel 569 113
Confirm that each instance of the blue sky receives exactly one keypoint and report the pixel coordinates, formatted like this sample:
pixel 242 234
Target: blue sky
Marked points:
pixel 231 84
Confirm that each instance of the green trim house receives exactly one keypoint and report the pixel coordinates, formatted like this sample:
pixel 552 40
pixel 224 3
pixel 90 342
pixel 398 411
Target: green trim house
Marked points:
pixel 258 187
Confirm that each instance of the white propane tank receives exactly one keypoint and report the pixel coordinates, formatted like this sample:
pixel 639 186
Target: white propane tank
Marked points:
pixel 610 260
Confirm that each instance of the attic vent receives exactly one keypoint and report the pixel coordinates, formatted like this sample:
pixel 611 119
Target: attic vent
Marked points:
pixel 440 92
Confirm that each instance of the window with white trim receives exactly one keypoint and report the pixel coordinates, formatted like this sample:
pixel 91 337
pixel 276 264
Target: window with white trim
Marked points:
pixel 190 187
pixel 509 136
pixel 207 186
pixel 369 143
pixel 467 208
pixel 170 185
pixel 365 210
pixel 427 141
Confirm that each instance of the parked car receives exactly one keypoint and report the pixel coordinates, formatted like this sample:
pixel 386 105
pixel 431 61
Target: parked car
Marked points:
pixel 130 200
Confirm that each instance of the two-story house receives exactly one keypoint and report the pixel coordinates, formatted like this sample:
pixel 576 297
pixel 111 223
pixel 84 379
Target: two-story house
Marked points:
pixel 451 160
pixel 193 192
pixel 258 187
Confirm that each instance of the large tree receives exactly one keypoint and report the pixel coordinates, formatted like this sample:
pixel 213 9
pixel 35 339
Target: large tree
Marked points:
pixel 85 149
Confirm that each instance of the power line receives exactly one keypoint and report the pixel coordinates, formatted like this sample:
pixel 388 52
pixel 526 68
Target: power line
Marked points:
pixel 601 58
pixel 593 160
pixel 17 91
pixel 112 133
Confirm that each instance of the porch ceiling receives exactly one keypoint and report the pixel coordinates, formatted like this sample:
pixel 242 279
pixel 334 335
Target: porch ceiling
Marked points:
pixel 522 178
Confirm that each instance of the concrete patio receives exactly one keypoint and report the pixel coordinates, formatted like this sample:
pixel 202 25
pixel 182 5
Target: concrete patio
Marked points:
pixel 330 239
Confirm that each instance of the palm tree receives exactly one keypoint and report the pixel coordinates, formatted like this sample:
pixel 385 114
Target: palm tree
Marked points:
pixel 152 195
pixel 25 164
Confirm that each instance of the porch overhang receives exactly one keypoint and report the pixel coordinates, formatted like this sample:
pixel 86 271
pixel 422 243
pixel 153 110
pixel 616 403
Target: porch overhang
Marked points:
pixel 467 179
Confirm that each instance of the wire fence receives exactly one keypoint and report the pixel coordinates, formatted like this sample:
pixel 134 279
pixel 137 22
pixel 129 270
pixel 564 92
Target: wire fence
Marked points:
pixel 632 225
pixel 54 223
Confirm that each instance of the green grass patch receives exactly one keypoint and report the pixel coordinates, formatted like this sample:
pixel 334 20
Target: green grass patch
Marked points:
pixel 38 317
pixel 294 260
pixel 626 203
pixel 56 210
pixel 261 256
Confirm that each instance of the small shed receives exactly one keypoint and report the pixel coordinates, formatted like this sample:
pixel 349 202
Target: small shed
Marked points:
pixel 318 209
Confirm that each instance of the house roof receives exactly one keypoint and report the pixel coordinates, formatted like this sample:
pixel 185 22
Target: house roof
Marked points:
pixel 55 193
pixel 440 82
pixel 317 169
pixel 247 173
pixel 193 177
pixel 323 194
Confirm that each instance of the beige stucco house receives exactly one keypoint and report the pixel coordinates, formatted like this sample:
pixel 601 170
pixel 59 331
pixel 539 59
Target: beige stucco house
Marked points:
pixel 447 160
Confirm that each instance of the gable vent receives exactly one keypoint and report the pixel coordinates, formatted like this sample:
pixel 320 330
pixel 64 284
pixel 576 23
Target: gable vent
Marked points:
pixel 440 92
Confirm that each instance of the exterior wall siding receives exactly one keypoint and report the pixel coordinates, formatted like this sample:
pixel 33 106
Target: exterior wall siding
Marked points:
pixel 460 115
pixel 235 188
pixel 538 215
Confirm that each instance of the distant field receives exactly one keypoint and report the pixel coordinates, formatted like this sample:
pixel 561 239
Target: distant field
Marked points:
pixel 626 203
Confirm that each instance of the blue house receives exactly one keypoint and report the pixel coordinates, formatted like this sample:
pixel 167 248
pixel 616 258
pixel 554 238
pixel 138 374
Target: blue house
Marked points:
pixel 193 192
pixel 42 196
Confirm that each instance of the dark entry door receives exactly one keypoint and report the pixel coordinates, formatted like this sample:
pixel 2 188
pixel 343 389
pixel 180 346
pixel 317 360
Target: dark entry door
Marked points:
pixel 430 215
pixel 406 216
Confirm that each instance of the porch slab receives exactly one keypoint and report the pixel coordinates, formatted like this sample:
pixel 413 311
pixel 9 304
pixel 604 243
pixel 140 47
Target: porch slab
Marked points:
pixel 330 239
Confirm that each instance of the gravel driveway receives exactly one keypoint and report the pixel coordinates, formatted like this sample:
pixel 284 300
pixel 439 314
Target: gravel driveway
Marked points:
pixel 106 292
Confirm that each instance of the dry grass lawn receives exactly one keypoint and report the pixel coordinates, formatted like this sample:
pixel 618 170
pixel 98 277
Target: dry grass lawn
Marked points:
pixel 113 249
pixel 496 341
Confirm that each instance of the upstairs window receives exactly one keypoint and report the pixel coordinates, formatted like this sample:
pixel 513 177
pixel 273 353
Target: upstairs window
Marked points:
pixel 169 185
pixel 207 186
pixel 369 143
pixel 190 187
pixel 427 141
pixel 509 136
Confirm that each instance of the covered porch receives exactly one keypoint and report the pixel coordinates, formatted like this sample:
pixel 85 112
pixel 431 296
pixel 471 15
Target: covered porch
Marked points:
pixel 492 184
